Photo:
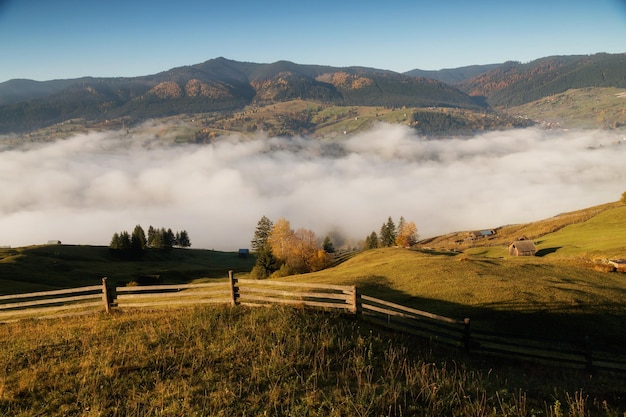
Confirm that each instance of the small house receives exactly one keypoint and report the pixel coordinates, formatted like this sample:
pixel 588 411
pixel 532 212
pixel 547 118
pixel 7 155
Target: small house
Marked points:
pixel 522 248
pixel 243 253
pixel 482 233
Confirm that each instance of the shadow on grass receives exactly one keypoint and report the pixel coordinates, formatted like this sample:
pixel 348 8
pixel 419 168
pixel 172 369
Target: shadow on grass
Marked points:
pixel 547 251
pixel 604 324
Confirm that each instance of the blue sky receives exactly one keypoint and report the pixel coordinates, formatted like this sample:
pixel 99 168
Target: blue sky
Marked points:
pixel 45 40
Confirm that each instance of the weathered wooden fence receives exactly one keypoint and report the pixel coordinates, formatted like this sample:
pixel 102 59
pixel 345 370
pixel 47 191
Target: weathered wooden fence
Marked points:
pixel 445 330
pixel 239 291
pixel 421 323
pixel 52 304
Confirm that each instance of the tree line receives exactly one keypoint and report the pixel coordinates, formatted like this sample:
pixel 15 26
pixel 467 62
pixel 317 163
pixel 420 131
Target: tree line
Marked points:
pixel 159 238
pixel 403 235
pixel 282 251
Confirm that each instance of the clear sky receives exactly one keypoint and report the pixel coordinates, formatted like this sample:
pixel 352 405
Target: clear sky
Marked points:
pixel 45 40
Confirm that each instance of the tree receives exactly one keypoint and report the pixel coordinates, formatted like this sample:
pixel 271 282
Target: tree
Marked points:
pixel 328 245
pixel 151 235
pixel 261 234
pixel 138 240
pixel 266 264
pixel 115 241
pixel 124 241
pixel 371 241
pixel 279 239
pixel 624 197
pixel 182 239
pixel 407 235
pixel 388 234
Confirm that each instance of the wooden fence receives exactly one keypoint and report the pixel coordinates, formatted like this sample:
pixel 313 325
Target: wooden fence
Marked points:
pixel 54 304
pixel 239 292
pixel 445 330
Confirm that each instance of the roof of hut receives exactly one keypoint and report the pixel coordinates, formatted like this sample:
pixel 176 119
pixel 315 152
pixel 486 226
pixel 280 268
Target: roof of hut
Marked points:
pixel 524 245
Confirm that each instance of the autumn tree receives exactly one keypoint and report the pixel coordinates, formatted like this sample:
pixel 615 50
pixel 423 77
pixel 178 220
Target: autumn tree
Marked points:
pixel 407 234
pixel 280 238
pixel 624 197
pixel 297 251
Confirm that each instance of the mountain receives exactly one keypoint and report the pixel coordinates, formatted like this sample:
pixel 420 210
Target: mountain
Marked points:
pixel 215 85
pixel 514 83
pixel 453 75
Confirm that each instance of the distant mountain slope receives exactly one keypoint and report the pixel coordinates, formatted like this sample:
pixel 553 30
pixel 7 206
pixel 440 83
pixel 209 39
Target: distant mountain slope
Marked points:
pixel 453 75
pixel 215 85
pixel 514 83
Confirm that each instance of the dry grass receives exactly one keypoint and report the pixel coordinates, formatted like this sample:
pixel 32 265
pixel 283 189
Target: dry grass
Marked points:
pixel 275 361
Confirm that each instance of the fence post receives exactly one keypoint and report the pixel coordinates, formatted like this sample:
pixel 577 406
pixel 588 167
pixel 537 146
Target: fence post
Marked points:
pixel 105 295
pixel 466 334
pixel 234 291
pixel 588 355
pixel 356 301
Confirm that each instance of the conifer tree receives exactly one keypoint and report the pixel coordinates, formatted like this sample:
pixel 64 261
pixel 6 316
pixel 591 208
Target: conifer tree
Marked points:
pixel 388 234
pixel 261 234
pixel 328 245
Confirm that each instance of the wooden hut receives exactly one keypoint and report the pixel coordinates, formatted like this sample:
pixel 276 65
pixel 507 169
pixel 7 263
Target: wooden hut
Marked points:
pixel 522 248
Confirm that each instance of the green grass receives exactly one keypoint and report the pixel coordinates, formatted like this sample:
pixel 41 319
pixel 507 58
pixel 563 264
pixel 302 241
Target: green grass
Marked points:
pixel 602 236
pixel 281 361
pixel 578 108
pixel 536 297
pixel 267 361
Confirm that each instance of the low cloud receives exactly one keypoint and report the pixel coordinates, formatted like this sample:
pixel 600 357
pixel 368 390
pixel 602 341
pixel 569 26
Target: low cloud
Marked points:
pixel 84 189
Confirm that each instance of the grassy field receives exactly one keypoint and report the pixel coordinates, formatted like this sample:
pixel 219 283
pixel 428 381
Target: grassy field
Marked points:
pixel 278 361
pixel 578 108
pixel 47 267
pixel 224 361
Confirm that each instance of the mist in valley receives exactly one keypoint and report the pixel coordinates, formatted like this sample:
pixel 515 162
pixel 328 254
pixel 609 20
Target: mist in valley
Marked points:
pixel 83 189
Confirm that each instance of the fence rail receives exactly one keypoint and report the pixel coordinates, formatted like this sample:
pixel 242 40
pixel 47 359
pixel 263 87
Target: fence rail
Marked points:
pixel 421 323
pixel 445 330
pixel 54 304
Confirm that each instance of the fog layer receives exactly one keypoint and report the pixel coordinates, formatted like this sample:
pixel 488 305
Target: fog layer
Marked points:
pixel 84 189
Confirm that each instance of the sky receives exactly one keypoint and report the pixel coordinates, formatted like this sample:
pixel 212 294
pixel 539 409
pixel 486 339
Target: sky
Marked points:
pixel 44 40
pixel 84 189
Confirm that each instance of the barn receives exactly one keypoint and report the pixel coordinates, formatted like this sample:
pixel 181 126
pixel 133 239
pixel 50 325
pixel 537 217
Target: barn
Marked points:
pixel 522 248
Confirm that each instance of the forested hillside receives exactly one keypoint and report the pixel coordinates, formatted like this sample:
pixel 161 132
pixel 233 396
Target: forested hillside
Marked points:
pixel 214 86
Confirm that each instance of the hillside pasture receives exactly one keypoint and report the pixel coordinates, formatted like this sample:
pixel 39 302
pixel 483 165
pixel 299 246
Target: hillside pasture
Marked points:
pixel 48 267
pixel 533 297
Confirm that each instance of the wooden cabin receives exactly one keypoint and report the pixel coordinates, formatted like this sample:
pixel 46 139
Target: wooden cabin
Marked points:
pixel 522 248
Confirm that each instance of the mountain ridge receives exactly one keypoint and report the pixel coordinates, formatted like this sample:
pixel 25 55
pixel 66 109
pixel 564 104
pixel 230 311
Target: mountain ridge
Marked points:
pixel 220 84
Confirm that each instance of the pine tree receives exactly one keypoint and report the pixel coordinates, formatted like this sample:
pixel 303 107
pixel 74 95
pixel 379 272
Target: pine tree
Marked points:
pixel 115 242
pixel 182 238
pixel 138 240
pixel 388 234
pixel 328 245
pixel 371 241
pixel 151 236
pixel 261 234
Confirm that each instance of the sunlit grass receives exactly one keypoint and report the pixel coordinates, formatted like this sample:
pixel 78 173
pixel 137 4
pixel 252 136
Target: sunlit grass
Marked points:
pixel 267 361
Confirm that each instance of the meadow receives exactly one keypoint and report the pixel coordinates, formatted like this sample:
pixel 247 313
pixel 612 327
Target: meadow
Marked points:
pixel 224 361
pixel 285 361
